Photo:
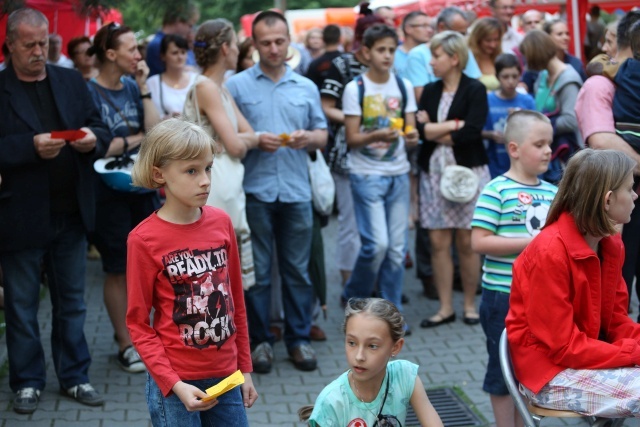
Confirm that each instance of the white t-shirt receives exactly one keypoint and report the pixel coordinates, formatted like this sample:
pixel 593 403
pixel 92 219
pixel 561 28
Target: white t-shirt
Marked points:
pixel 172 99
pixel 381 103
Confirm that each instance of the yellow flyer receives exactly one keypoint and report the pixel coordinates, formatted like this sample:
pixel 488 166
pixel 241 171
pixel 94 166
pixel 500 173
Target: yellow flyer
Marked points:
pixel 232 381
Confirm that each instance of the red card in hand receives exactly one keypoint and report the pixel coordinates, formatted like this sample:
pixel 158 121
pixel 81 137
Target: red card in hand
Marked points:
pixel 68 135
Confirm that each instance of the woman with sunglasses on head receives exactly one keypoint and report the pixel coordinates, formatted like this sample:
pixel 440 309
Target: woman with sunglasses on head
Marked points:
pixel 375 391
pixel 126 107
pixel 169 89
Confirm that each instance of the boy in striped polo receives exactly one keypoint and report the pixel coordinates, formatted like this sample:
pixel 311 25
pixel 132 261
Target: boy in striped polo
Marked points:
pixel 510 212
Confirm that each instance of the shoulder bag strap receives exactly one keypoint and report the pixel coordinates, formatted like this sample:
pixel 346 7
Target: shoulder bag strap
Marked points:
pixel 166 113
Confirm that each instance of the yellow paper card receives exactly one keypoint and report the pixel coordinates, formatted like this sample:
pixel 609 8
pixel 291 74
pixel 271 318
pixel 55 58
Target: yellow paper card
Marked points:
pixel 232 381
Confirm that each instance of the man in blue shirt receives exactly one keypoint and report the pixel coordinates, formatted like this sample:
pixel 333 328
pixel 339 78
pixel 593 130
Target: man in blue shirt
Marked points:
pixel 418 70
pixel 178 21
pixel 284 108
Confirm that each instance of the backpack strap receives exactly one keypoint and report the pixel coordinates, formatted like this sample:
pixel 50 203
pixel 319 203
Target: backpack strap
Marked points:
pixel 403 92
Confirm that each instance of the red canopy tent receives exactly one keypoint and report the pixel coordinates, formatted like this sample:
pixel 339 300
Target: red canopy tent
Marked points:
pixel 65 20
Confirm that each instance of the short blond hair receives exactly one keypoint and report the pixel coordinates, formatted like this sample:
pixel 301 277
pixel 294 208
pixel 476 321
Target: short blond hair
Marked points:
pixel 589 176
pixel 172 139
pixel 516 128
pixel 452 43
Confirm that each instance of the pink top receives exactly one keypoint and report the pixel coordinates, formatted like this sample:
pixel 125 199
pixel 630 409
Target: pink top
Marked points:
pixel 593 106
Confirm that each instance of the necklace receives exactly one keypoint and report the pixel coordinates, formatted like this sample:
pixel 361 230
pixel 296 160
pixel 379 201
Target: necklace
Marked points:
pixel 358 395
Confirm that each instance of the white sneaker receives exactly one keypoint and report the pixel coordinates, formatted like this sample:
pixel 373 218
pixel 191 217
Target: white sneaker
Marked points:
pixel 130 360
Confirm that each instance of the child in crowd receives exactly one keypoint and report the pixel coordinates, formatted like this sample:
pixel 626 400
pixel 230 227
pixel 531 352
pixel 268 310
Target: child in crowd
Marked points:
pixel 183 262
pixel 573 345
pixel 510 212
pixel 374 391
pixel 377 105
pixel 502 102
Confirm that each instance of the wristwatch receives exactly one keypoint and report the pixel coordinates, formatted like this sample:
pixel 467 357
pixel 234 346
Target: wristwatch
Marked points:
pixel 145 96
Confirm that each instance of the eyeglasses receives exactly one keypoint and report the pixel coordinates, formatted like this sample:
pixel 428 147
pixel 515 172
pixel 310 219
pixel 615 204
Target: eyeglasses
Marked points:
pixel 387 421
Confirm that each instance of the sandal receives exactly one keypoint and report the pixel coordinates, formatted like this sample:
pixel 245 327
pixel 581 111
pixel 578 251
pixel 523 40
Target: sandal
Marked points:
pixel 437 320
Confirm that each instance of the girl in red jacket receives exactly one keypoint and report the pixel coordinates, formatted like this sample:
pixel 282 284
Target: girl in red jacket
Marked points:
pixel 183 262
pixel 572 343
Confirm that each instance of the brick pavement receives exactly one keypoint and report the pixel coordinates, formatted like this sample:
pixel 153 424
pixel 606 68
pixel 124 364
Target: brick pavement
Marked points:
pixel 451 355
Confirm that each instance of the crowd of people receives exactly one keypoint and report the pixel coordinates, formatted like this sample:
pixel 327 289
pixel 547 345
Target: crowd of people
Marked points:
pixel 217 234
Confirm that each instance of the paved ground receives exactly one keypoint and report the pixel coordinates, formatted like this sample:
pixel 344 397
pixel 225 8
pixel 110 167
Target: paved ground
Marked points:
pixel 451 355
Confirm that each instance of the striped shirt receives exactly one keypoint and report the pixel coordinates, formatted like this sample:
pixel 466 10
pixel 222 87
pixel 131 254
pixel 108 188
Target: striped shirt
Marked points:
pixel 508 208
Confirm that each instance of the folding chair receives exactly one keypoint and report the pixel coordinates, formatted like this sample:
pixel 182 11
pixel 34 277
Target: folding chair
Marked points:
pixel 533 415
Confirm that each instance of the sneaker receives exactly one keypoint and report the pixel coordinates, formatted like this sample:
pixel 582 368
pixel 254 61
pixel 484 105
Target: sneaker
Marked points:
pixel 129 360
pixel 85 394
pixel 304 357
pixel 26 400
pixel 262 357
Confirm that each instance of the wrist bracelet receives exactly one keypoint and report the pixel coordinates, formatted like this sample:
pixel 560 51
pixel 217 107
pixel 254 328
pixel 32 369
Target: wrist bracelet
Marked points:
pixel 457 123
pixel 145 96
pixel 125 145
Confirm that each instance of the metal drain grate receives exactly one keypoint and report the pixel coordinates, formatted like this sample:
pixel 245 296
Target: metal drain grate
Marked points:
pixel 453 411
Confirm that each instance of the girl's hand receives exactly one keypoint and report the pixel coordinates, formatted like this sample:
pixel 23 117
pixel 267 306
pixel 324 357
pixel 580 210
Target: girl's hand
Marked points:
pixel 422 117
pixel 190 396
pixel 249 393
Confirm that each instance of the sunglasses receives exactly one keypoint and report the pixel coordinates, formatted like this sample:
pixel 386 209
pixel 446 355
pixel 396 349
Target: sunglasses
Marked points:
pixel 112 28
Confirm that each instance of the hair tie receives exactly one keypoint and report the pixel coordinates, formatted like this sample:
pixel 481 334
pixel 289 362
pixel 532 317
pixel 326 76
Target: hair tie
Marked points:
pixel 199 44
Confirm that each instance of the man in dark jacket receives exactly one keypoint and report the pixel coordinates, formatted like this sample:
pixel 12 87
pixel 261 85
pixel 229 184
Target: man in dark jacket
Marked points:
pixel 46 208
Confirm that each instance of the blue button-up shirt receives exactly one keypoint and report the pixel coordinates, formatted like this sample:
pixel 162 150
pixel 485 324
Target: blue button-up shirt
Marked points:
pixel 292 103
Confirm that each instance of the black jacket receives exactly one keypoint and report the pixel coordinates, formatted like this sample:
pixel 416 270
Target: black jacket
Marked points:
pixel 469 104
pixel 24 192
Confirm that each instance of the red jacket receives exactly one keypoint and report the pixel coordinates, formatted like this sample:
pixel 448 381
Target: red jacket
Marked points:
pixel 190 274
pixel 568 309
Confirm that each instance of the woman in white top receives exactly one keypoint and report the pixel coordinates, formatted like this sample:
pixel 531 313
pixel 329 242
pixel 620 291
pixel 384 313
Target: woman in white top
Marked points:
pixel 211 106
pixel 169 89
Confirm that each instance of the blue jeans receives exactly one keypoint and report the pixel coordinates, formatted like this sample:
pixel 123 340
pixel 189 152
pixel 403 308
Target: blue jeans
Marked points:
pixel 493 311
pixel 64 262
pixel 381 205
pixel 170 411
pixel 290 225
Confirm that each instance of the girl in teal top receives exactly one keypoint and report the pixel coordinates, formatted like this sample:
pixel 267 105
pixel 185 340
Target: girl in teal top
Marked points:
pixel 374 391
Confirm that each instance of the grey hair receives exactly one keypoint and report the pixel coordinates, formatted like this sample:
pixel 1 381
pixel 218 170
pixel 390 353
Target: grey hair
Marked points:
pixel 27 16
pixel 379 308
pixel 447 14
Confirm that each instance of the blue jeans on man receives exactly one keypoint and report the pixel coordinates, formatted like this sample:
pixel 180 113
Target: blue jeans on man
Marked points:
pixel 381 205
pixel 290 225
pixel 64 263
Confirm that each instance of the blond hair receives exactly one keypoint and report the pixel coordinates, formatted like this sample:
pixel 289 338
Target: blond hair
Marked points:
pixel 482 29
pixel 452 43
pixel 209 39
pixel 589 176
pixel 518 123
pixel 172 139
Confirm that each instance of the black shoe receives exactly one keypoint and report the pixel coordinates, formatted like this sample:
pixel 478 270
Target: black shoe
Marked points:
pixel 26 400
pixel 407 330
pixel 303 357
pixel 428 323
pixel 262 358
pixel 85 394
pixel 130 361
pixel 468 320
pixel 404 299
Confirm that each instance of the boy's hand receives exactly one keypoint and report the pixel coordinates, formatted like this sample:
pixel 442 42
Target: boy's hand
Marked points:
pixel 190 396
pixel 386 135
pixel 411 138
pixel 249 393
